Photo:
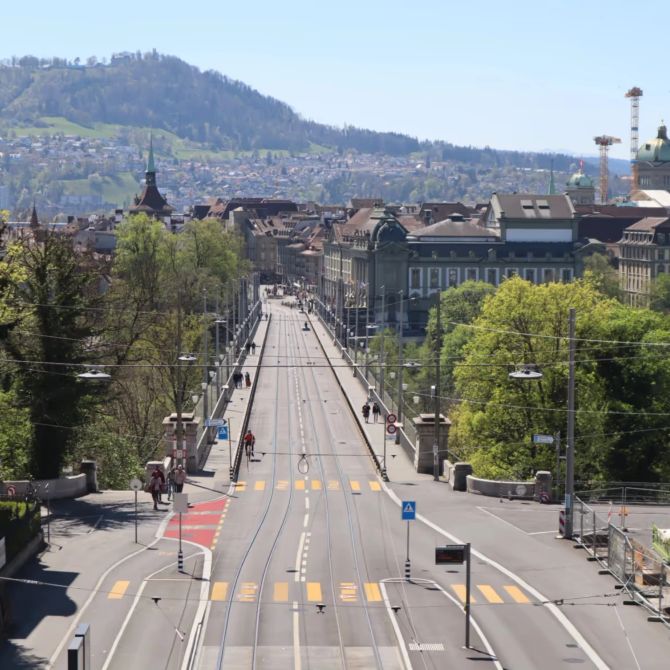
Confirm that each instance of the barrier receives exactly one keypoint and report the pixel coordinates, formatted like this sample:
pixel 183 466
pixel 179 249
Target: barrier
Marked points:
pixel 55 489
pixel 501 489
pixel 561 522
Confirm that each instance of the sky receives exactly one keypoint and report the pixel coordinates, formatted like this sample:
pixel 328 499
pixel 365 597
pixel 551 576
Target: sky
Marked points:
pixel 527 75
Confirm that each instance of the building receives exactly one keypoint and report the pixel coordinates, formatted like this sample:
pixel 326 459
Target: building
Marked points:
pixel 150 201
pixel 644 255
pixel 653 162
pixel 580 188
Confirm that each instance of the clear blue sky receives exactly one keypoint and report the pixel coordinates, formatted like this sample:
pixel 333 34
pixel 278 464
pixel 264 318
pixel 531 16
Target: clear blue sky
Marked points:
pixel 541 74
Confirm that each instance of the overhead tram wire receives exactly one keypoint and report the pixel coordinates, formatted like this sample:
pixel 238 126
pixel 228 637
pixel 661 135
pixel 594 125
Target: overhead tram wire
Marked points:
pixel 350 525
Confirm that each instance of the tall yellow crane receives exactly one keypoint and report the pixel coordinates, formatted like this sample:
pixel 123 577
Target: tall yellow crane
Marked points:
pixel 604 143
pixel 634 94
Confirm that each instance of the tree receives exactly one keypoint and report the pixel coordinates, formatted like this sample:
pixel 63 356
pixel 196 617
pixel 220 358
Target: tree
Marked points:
pixel 54 305
pixel 599 269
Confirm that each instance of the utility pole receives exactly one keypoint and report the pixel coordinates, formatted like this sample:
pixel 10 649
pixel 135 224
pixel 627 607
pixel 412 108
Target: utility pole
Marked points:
pixel 400 363
pixel 180 442
pixel 570 442
pixel 381 351
pixel 438 342
pixel 205 367
pixel 367 339
pixel 357 293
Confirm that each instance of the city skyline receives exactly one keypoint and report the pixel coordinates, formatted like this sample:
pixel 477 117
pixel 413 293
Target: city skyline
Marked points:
pixel 467 74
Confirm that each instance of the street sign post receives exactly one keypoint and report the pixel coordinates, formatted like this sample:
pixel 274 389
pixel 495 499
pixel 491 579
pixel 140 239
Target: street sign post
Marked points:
pixel 408 513
pixel 180 505
pixel 543 439
pixel 457 554
pixel 135 485
pixel 223 433
pixel 214 423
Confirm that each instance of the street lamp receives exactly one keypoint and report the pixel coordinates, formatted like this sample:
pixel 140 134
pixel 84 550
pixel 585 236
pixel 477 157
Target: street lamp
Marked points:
pixel 94 375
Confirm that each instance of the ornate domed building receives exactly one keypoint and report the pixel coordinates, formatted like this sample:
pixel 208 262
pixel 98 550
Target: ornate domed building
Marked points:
pixel 580 188
pixel 653 162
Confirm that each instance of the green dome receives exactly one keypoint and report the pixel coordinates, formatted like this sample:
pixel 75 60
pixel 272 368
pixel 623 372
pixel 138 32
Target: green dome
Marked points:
pixel 580 180
pixel 656 150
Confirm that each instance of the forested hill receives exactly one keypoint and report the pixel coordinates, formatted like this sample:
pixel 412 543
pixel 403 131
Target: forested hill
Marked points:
pixel 167 93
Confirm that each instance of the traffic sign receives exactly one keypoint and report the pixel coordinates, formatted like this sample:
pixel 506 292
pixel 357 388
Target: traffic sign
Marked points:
pixel 214 423
pixel 391 418
pixel 450 553
pixel 390 428
pixel 135 484
pixel 223 433
pixel 543 439
pixel 408 510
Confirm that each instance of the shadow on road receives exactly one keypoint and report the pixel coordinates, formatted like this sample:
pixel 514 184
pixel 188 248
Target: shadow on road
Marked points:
pixel 13 656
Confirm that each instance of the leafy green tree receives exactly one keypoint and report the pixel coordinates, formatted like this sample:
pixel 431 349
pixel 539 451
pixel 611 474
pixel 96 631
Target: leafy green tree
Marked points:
pixel 659 299
pixel 598 268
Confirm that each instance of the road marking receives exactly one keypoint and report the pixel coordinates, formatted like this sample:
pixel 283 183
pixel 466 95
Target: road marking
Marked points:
pixel 489 593
pixel 240 486
pixel 372 592
pixel 517 594
pixel 248 592
pixel 333 485
pixel 316 484
pixel 375 486
pixel 219 591
pixel 281 592
pixel 118 590
pixel 259 486
pixel 305 521
pixel 282 485
pixel 314 592
pixel 299 484
pixel 355 486
pixel 348 592
pixel 301 543
pixel 401 641
pixel 459 590
pixel 306 502
pixel 296 637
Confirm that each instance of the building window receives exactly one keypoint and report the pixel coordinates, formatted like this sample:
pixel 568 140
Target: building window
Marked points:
pixel 548 275
pixel 453 277
pixel 510 272
pixel 471 274
pixel 566 275
pixel 530 275
pixel 415 278
pixel 492 276
pixel 434 278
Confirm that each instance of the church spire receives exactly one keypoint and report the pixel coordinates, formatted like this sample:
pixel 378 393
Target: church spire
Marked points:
pixel 34 221
pixel 151 165
pixel 552 184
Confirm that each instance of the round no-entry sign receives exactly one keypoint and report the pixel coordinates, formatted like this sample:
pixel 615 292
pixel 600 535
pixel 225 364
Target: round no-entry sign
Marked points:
pixel 391 418
pixel 390 428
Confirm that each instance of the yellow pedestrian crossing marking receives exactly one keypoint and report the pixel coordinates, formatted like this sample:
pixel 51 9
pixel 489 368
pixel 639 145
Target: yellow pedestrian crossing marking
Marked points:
pixel 348 592
pixel 316 484
pixel 299 484
pixel 314 592
pixel 282 485
pixel 333 485
pixel 281 592
pixel 240 486
pixel 219 591
pixel 375 486
pixel 355 486
pixel 459 589
pixel 259 486
pixel 489 593
pixel 248 592
pixel 372 592
pixel 517 594
pixel 118 590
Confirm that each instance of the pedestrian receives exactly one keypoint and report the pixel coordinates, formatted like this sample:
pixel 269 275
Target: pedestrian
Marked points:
pixel 179 478
pixel 253 348
pixel 247 379
pixel 156 485
pixel 366 412
pixel 376 411
pixel 170 483
pixel 248 348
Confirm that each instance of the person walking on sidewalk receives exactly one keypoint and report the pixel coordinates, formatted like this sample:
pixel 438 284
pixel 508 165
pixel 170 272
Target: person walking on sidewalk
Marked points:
pixel 179 479
pixel 247 379
pixel 155 485
pixel 376 411
pixel 366 412
pixel 253 348
pixel 170 483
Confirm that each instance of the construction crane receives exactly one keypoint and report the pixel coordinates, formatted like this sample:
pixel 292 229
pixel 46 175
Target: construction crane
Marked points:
pixel 634 94
pixel 604 143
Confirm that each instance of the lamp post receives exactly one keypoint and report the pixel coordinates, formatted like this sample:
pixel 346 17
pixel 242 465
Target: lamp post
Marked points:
pixel 400 363
pixel 381 357
pixel 436 445
pixel 180 438
pixel 570 444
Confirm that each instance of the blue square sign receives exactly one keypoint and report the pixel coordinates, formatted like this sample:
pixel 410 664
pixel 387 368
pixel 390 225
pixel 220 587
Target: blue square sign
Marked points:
pixel 408 510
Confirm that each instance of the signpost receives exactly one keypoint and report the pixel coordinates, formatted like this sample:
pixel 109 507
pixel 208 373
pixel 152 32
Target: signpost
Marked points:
pixel 457 554
pixel 408 513
pixel 214 423
pixel 180 505
pixel 223 433
pixel 543 439
pixel 135 485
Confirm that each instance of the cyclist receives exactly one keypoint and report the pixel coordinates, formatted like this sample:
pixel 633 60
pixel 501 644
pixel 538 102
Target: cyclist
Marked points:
pixel 249 442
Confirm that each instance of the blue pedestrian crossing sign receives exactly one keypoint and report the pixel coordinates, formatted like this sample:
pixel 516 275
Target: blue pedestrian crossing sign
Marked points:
pixel 223 432
pixel 408 510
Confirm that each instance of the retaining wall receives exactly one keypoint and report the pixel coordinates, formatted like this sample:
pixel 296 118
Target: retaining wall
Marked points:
pixel 52 489
pixel 501 489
